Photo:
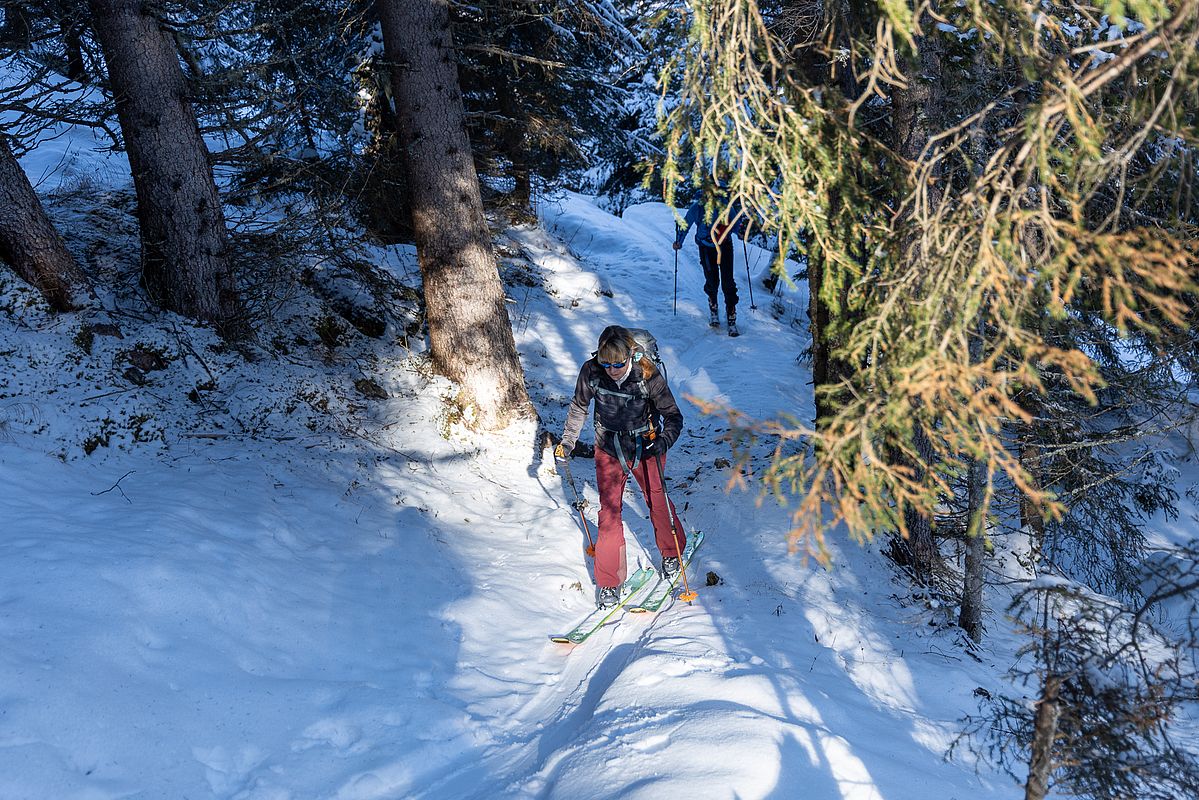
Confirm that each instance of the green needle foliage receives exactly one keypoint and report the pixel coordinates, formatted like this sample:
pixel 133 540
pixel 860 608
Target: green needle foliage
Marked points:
pixel 1056 180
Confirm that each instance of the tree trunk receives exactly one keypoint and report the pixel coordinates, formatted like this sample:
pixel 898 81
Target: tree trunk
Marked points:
pixel 72 38
pixel 515 148
pixel 1040 761
pixel 971 616
pixel 973 581
pixel 827 283
pixel 29 242
pixel 921 546
pixel 184 242
pixel 470 336
pixel 818 329
pixel 16 31
pixel 916 109
pixel 1032 521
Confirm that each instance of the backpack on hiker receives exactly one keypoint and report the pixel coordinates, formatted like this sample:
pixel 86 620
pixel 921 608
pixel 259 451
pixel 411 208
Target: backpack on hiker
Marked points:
pixel 646 345
pixel 627 437
pixel 735 220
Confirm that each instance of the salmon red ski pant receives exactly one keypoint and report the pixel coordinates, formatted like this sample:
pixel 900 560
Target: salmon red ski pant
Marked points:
pixel 611 569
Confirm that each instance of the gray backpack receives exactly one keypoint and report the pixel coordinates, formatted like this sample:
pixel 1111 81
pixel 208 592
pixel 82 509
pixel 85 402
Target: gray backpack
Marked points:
pixel 647 346
pixel 644 346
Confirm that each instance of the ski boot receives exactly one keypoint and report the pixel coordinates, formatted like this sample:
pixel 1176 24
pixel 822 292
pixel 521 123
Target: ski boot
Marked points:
pixel 670 568
pixel 608 597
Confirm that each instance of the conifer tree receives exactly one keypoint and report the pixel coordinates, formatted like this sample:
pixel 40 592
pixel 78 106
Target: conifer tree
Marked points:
pixel 470 335
pixel 1008 304
pixel 29 242
pixel 1045 222
pixel 185 265
pixel 1108 679
pixel 539 88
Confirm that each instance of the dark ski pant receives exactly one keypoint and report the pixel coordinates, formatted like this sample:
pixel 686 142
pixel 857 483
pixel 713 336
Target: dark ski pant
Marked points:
pixel 717 263
pixel 611 569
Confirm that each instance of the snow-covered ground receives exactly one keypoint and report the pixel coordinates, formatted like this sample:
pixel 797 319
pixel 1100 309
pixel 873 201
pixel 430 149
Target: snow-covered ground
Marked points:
pixel 266 586
pixel 249 580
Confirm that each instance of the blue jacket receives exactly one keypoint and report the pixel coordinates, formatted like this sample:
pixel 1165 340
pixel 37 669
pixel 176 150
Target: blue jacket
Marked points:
pixel 703 231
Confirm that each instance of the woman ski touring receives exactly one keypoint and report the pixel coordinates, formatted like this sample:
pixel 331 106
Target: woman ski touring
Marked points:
pixel 636 422
pixel 714 239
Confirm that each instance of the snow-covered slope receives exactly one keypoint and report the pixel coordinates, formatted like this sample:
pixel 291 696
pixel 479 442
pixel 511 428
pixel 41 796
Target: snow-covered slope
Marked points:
pixel 280 588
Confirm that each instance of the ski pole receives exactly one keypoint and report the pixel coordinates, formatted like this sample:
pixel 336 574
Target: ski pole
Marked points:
pixel 748 279
pixel 579 503
pixel 676 283
pixel 688 594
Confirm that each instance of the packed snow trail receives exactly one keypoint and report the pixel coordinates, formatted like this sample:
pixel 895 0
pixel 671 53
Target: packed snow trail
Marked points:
pixel 680 702
pixel 359 611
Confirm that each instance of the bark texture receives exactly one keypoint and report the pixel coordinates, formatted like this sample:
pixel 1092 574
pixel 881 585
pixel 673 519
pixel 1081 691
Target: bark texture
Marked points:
pixel 1040 763
pixel 184 242
pixel 970 618
pixel 470 335
pixel 828 298
pixel 917 111
pixel 29 241
pixel 818 324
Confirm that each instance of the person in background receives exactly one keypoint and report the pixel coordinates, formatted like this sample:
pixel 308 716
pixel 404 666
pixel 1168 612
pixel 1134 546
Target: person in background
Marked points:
pixel 636 421
pixel 714 238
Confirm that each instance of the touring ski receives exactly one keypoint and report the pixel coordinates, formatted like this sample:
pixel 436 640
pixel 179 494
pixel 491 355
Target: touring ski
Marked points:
pixel 596 619
pixel 656 596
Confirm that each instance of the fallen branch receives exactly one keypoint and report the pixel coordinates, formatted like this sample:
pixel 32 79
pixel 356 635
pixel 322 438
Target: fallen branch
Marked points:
pixel 117 486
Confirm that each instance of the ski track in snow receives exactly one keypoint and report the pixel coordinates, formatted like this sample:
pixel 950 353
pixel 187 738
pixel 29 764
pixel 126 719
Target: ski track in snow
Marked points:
pixel 369 620
pixel 547 727
pixel 550 732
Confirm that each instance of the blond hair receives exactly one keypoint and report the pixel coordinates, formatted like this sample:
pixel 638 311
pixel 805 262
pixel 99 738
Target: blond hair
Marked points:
pixel 617 344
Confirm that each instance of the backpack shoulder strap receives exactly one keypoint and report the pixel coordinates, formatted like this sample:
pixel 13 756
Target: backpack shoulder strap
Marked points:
pixel 642 390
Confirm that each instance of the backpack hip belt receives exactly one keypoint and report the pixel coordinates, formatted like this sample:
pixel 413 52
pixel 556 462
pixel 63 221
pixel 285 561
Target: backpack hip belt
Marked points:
pixel 625 463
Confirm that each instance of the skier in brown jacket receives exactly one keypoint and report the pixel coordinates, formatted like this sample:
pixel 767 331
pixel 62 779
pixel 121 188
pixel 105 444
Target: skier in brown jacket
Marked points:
pixel 636 422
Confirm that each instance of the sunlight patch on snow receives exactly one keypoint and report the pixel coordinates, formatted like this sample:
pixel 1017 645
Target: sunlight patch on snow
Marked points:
pixel 853 779
pixel 867 658
pixel 936 736
pixel 329 598
pixel 699 384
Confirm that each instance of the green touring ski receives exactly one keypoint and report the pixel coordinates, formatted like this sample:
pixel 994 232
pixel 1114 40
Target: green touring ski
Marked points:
pixel 596 619
pixel 660 591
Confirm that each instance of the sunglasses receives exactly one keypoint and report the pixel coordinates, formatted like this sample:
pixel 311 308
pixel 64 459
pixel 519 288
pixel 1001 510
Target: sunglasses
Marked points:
pixel 613 364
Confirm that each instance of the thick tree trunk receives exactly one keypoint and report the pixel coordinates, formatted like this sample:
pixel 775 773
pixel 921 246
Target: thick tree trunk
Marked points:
pixel 29 242
pixel 918 106
pixel 916 110
pixel 184 242
pixel 470 336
